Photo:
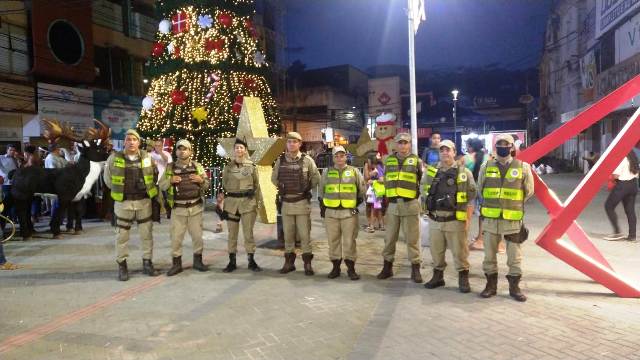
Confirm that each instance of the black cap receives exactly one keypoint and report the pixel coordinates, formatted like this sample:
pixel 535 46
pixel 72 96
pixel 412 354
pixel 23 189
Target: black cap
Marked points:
pixel 239 141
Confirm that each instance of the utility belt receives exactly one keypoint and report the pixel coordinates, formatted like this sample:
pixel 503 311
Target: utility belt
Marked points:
pixel 188 204
pixel 292 199
pixel 248 193
pixel 135 196
pixel 395 199
pixel 441 218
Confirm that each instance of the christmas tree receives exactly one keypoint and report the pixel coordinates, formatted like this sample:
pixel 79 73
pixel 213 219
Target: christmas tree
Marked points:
pixel 205 60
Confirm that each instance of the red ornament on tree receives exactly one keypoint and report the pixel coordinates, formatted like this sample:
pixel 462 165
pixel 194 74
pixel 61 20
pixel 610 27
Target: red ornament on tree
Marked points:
pixel 178 97
pixel 176 51
pixel 225 19
pixel 248 24
pixel 249 83
pixel 158 49
pixel 237 106
pixel 217 45
pixel 160 110
pixel 180 22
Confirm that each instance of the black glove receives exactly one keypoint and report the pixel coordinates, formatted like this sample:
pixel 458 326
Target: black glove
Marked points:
pixel 322 207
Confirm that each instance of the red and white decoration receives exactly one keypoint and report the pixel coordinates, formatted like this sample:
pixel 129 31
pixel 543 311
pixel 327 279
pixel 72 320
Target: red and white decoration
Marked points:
pixel 237 106
pixel 180 22
pixel 215 81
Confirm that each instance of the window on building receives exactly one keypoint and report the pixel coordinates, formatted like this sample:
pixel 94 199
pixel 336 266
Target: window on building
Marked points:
pixel 14 52
pixel 607 51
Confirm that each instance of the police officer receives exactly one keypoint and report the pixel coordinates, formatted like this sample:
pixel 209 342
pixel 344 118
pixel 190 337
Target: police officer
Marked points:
pixel 240 183
pixel 295 175
pixel 185 182
pixel 341 190
pixel 449 190
pixel 129 174
pixel 403 171
pixel 506 183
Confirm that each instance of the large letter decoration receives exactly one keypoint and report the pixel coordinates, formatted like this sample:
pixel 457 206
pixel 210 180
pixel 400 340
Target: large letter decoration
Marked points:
pixel 580 253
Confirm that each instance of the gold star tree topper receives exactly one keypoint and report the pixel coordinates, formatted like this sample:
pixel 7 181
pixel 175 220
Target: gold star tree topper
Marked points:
pixel 263 151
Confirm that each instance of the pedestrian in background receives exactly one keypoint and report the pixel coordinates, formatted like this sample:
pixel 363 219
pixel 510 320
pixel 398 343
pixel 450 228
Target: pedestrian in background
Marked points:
pixel 625 191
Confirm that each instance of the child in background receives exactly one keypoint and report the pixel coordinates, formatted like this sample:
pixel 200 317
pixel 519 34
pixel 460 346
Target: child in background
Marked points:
pixel 375 198
pixel 371 199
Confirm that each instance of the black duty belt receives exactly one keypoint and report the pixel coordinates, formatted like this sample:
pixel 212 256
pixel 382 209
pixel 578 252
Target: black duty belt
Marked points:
pixel 395 199
pixel 187 205
pixel 248 193
pixel 136 196
pixel 441 218
pixel 291 199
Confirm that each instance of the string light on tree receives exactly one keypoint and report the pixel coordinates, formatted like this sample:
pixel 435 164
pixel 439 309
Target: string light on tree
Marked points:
pixel 197 85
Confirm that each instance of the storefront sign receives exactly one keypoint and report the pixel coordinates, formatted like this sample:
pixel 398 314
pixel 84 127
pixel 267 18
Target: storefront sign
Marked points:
pixel 610 12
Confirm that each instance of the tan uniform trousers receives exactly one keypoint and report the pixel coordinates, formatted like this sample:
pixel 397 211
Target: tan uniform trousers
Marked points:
pixel 248 221
pixel 297 227
pixel 490 263
pixel 342 234
pixel 183 220
pixel 410 225
pixel 126 213
pixel 457 243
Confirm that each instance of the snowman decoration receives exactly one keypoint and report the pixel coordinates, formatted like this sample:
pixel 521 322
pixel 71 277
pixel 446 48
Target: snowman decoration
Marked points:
pixel 384 133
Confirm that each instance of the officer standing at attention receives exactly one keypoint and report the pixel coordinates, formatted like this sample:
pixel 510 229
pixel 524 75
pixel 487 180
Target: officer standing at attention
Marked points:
pixel 505 183
pixel 129 175
pixel 342 189
pixel 295 175
pixel 450 191
pixel 185 182
pixel 240 183
pixel 403 171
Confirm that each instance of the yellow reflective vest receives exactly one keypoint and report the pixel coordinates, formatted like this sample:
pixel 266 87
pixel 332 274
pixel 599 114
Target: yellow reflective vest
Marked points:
pixel 117 169
pixel 503 197
pixel 401 180
pixel 340 189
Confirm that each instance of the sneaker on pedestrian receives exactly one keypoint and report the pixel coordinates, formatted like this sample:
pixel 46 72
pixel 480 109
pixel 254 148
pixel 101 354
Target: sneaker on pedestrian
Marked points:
pixel 614 237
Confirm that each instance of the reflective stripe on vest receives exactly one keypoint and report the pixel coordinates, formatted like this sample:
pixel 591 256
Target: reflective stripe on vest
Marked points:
pixel 503 198
pixel 462 185
pixel 340 189
pixel 402 180
pixel 117 169
pixel 169 173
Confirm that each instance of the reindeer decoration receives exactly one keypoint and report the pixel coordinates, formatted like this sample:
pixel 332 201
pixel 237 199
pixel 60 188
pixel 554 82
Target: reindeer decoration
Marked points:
pixel 71 183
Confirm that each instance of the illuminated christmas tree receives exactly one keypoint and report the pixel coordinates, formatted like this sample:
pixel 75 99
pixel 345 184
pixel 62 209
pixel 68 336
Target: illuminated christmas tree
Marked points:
pixel 205 60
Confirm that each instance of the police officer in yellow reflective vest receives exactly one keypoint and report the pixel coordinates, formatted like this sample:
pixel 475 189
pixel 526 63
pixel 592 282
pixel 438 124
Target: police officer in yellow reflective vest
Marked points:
pixel 185 182
pixel 341 190
pixel 130 176
pixel 505 184
pixel 403 171
pixel 449 191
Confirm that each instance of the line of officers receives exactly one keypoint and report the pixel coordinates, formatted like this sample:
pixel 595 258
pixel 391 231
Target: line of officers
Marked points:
pixel 448 193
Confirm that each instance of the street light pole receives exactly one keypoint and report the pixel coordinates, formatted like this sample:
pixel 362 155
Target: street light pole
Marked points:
pixel 455 120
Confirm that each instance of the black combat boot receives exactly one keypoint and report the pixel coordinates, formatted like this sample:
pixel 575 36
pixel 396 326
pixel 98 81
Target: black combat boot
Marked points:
pixel 289 263
pixel 492 286
pixel 253 266
pixel 437 280
pixel 335 272
pixel 306 258
pixel 463 281
pixel 415 273
pixel 351 270
pixel 123 272
pixel 387 270
pixel 232 263
pixel 514 288
pixel 176 268
pixel 148 269
pixel 198 264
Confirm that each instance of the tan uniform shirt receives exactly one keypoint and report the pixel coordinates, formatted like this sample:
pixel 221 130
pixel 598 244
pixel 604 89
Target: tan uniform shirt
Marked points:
pixel 472 192
pixel 342 213
pixel 310 171
pixel 239 177
pixel 502 226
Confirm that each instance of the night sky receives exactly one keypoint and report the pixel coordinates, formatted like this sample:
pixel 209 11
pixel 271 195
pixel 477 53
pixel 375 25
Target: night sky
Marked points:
pixel 457 33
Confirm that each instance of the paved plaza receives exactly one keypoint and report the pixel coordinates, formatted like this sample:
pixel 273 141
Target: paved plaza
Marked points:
pixel 65 303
